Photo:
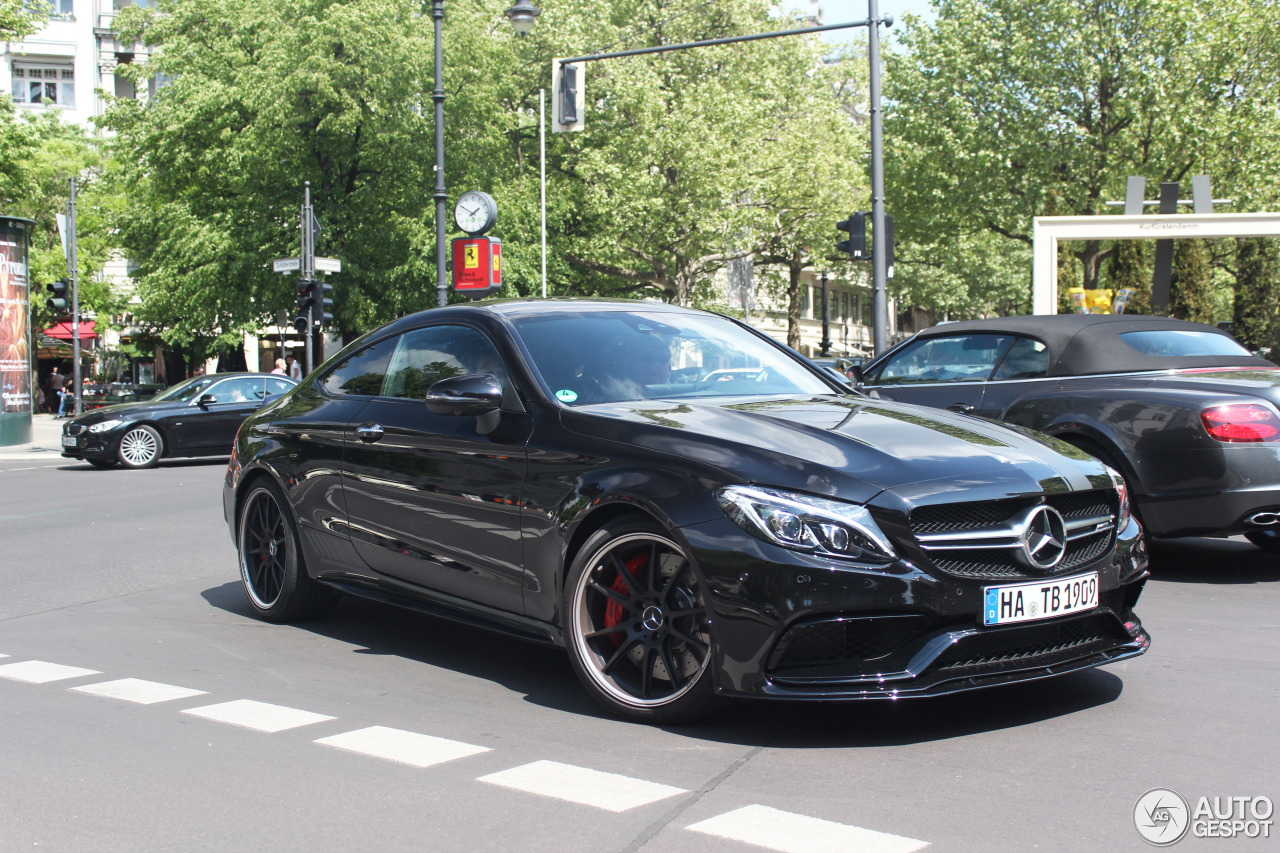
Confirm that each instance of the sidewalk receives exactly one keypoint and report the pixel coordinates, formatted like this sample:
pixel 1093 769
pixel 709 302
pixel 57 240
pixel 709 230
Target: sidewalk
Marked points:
pixel 45 446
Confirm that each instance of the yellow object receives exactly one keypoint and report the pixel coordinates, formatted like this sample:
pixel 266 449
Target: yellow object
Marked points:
pixel 1090 301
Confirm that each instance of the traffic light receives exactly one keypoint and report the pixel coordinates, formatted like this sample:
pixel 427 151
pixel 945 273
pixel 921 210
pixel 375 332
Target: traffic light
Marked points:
pixel 302 322
pixel 321 304
pixel 61 299
pixel 856 245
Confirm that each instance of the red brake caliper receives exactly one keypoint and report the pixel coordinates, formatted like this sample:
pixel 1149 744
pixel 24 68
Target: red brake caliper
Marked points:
pixel 613 613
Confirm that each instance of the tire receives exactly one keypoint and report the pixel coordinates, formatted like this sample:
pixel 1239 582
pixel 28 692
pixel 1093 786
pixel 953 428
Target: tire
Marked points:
pixel 627 635
pixel 101 463
pixel 272 572
pixel 1267 540
pixel 140 447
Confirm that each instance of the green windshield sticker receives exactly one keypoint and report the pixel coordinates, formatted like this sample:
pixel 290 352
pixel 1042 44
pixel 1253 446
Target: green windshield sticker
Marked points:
pixel 566 396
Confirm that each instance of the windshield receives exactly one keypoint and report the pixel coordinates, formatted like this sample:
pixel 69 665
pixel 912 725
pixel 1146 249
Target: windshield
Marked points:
pixel 616 356
pixel 184 391
pixel 1178 343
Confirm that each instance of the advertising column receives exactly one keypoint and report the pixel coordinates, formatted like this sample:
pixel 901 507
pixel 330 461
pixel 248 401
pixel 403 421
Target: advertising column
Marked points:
pixel 15 332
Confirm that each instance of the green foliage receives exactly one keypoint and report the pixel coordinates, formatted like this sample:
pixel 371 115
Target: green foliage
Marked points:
pixel 688 158
pixel 1004 110
pixel 1191 286
pixel 21 18
pixel 1256 312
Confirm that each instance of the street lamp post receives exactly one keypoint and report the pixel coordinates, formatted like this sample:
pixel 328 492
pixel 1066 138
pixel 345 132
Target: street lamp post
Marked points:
pixel 522 16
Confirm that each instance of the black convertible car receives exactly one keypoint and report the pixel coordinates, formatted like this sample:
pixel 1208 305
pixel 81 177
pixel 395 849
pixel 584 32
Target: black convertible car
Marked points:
pixel 1188 415
pixel 550 469
pixel 198 417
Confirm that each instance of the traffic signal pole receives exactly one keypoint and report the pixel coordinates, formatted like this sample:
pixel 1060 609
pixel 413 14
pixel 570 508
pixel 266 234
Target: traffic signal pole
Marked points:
pixel 75 299
pixel 879 257
pixel 308 263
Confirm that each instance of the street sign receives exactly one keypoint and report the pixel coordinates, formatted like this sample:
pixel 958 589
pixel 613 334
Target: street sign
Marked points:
pixel 286 265
pixel 477 265
pixel 328 265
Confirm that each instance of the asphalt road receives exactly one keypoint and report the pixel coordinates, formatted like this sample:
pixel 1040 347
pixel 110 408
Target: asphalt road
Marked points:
pixel 131 575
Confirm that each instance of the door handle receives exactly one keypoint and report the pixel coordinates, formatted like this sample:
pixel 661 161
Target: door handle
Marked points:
pixel 369 433
pixel 962 408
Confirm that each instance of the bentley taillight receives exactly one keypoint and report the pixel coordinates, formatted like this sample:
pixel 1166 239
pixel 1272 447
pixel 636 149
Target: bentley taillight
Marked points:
pixel 1241 423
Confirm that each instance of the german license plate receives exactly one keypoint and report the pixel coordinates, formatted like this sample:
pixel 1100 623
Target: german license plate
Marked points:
pixel 68 441
pixel 1027 602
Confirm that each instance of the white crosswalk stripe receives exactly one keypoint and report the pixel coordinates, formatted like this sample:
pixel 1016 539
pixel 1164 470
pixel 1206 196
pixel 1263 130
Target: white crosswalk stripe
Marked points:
pixel 40 672
pixel 260 716
pixel 579 785
pixel 139 691
pixel 417 750
pixel 795 833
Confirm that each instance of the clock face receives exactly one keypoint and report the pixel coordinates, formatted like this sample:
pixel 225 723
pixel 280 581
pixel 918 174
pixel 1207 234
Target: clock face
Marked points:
pixel 475 212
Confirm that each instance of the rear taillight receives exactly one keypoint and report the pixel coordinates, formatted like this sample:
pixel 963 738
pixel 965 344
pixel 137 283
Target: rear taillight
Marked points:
pixel 1243 422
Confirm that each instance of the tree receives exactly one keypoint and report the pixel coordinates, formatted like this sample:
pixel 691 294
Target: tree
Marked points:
pixel 256 99
pixel 21 18
pixel 1004 110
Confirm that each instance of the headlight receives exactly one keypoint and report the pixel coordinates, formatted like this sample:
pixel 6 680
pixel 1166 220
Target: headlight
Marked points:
pixel 103 426
pixel 806 523
pixel 1122 492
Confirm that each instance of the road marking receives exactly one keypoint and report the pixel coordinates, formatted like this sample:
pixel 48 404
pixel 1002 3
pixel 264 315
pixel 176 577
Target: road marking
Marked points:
pixel 410 748
pixel 39 672
pixel 795 833
pixel 139 691
pixel 580 785
pixel 260 716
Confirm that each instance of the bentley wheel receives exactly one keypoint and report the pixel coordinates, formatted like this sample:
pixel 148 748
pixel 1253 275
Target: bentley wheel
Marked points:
pixel 140 447
pixel 271 568
pixel 1267 540
pixel 639 630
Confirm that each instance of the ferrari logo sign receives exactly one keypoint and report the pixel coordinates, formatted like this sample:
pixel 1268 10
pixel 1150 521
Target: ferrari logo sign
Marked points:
pixel 477 265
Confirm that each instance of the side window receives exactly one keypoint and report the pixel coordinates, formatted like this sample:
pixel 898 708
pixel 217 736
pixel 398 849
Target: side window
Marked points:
pixel 425 356
pixel 1026 359
pixel 242 390
pixel 361 373
pixel 962 358
pixel 276 387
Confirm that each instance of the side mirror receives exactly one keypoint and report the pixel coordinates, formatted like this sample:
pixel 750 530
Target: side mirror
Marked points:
pixel 206 399
pixel 473 394
pixel 855 374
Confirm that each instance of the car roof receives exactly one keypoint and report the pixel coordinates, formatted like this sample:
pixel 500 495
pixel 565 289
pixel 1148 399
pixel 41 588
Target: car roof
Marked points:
pixel 1082 344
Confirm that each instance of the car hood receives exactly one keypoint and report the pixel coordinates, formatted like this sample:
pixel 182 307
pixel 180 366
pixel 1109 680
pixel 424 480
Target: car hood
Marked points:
pixel 847 447
pixel 125 411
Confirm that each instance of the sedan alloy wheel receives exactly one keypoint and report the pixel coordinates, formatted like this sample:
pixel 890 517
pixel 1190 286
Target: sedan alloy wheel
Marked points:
pixel 140 447
pixel 273 575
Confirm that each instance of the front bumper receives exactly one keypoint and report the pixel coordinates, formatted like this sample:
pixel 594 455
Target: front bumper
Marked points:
pixel 90 445
pixel 789 625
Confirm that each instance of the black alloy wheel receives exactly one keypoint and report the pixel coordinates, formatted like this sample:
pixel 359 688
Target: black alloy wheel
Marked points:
pixel 274 577
pixel 639 628
pixel 140 447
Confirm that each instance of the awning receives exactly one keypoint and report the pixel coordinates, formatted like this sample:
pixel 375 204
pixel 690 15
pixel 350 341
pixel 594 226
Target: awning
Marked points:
pixel 64 331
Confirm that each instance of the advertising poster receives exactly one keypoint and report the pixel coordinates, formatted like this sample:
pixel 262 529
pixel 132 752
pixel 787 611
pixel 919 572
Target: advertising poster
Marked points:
pixel 15 334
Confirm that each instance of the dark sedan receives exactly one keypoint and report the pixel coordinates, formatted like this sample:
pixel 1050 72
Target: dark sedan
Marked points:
pixel 548 468
pixel 198 417
pixel 1188 415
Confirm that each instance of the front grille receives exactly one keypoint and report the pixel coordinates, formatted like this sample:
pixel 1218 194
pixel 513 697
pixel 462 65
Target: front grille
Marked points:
pixel 74 429
pixel 845 640
pixel 954 521
pixel 1034 645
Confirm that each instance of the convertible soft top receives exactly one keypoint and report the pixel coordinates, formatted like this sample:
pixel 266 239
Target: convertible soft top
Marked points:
pixel 1084 344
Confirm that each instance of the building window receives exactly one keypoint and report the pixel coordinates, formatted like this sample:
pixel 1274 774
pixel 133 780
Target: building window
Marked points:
pixel 63 10
pixel 49 84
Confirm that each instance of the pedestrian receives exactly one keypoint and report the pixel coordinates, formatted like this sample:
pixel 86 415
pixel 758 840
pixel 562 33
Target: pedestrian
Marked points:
pixel 280 368
pixel 56 381
pixel 295 369
pixel 68 396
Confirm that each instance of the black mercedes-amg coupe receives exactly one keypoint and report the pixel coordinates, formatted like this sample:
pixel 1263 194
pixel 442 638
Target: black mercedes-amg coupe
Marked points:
pixel 688 508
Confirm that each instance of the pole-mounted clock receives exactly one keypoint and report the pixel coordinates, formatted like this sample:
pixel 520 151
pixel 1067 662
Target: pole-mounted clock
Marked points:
pixel 475 212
